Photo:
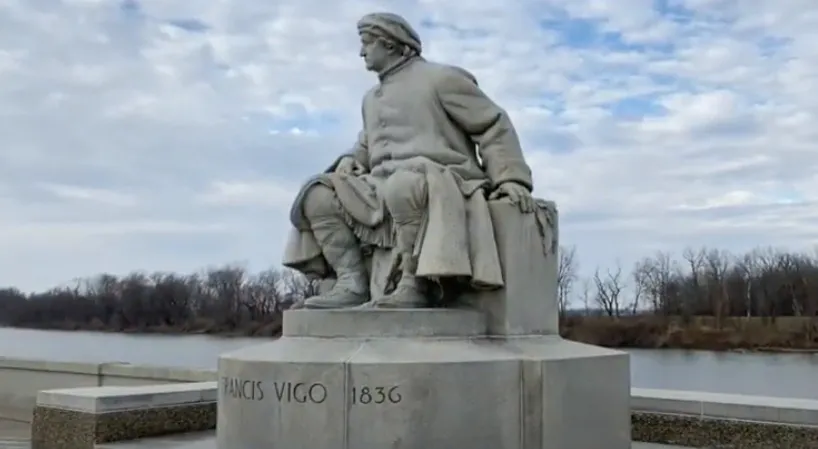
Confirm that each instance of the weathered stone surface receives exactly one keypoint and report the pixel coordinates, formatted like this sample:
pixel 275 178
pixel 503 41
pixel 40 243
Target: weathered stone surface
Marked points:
pixel 433 149
pixel 681 430
pixel 527 305
pixel 54 428
pixel 724 420
pixel 79 418
pixel 365 323
pixel 538 392
pixel 97 400
pixel 438 185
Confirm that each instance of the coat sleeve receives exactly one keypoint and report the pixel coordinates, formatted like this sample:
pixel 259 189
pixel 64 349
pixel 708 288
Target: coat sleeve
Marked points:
pixel 359 151
pixel 488 125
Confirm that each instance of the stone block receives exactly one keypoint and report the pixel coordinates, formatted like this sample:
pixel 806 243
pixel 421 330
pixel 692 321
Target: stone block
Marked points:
pixel 579 393
pixel 379 322
pixel 427 391
pixel 79 418
pixel 528 303
pixel 697 418
pixel 697 431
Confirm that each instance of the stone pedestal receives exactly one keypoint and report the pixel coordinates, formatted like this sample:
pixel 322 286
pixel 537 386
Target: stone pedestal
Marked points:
pixel 420 379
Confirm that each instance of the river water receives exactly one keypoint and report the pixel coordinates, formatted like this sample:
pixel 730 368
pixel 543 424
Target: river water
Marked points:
pixel 787 375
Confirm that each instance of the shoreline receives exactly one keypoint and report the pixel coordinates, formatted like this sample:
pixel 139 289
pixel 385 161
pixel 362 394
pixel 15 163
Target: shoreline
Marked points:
pixel 730 334
pixel 793 335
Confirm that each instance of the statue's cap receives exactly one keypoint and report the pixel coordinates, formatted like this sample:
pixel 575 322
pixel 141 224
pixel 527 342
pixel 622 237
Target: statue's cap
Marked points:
pixel 391 26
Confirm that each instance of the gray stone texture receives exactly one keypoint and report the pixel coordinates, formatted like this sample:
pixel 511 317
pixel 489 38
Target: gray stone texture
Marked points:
pixel 684 430
pixel 529 259
pixel 208 441
pixel 54 428
pixel 434 197
pixel 414 189
pixel 379 322
pixel 533 392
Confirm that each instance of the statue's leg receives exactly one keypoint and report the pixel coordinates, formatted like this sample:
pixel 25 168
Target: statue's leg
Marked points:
pixel 405 194
pixel 340 248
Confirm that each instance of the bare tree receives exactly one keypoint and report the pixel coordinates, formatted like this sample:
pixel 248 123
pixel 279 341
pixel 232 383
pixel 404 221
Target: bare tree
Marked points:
pixel 566 276
pixel 768 280
pixel 297 288
pixel 716 264
pixel 654 277
pixel 763 282
pixel 694 287
pixel 608 290
pixel 638 293
pixel 586 295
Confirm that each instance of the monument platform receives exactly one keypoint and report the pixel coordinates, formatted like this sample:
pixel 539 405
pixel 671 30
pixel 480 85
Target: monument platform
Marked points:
pixel 420 379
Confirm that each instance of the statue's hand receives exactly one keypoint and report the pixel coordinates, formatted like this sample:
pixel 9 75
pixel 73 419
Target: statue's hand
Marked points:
pixel 517 193
pixel 350 166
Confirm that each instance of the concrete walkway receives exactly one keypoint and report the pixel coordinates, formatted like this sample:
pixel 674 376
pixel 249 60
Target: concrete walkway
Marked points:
pixel 207 440
pixel 15 435
pixel 14 430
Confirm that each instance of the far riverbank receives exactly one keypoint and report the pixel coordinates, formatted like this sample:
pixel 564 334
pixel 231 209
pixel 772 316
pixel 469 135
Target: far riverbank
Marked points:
pixel 784 334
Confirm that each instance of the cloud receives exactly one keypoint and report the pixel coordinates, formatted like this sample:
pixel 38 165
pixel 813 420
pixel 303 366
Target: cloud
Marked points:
pixel 170 134
pixel 243 193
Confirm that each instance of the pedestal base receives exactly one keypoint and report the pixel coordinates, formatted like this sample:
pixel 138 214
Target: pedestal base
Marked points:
pixel 444 391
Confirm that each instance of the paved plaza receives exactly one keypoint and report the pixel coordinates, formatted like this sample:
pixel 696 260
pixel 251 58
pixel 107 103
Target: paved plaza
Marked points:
pixel 14 434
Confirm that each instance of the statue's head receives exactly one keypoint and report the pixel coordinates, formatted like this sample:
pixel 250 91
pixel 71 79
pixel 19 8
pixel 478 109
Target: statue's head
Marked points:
pixel 385 38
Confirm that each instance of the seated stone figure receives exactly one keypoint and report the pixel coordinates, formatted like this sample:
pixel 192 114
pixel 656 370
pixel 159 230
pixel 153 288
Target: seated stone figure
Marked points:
pixel 408 206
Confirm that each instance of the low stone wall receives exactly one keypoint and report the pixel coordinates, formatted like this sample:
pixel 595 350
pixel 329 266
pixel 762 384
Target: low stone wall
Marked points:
pixel 700 419
pixel 81 418
pixel 21 380
pixel 687 418
pixel 683 418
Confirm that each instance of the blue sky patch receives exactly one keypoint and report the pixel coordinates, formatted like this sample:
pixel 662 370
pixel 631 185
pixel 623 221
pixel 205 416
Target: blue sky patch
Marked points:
pixel 636 107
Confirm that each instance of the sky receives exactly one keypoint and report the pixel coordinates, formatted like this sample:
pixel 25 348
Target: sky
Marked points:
pixel 172 135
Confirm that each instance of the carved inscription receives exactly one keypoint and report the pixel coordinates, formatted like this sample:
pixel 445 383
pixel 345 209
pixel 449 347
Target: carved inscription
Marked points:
pixel 245 389
pixel 305 392
pixel 366 395
pixel 283 392
pixel 300 392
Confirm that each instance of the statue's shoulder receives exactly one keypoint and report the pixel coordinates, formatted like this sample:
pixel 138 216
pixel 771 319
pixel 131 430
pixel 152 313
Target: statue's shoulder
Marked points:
pixel 369 97
pixel 442 73
pixel 370 93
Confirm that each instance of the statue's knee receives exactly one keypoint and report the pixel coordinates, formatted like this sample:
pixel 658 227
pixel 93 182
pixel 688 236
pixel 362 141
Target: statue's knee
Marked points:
pixel 405 193
pixel 319 201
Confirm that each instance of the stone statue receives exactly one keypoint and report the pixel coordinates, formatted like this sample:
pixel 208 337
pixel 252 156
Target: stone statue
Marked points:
pixel 413 191
pixel 431 208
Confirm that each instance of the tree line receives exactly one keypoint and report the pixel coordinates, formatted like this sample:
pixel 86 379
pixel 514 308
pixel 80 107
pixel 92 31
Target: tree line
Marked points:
pixel 764 282
pixel 219 300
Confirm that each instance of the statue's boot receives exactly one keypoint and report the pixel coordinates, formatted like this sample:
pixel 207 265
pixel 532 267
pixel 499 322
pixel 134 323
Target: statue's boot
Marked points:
pixel 408 293
pixel 341 250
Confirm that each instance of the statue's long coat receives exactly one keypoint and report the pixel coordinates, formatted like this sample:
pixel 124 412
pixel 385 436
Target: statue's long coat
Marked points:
pixel 435 120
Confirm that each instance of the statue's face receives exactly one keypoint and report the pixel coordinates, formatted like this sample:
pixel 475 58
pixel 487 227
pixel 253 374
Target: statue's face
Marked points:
pixel 375 52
